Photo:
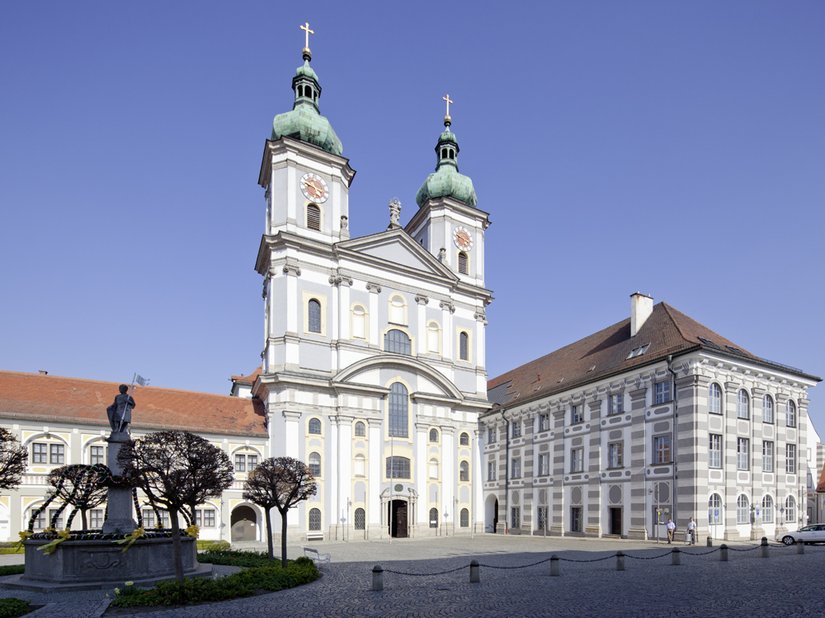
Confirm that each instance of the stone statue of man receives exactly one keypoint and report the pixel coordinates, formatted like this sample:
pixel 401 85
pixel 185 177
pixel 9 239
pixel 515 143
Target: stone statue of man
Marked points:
pixel 120 412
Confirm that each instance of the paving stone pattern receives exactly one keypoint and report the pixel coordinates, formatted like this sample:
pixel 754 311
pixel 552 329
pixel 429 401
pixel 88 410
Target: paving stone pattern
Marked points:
pixel 785 584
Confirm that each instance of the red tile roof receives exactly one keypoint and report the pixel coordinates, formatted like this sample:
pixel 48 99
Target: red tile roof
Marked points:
pixel 605 353
pixel 37 397
pixel 248 380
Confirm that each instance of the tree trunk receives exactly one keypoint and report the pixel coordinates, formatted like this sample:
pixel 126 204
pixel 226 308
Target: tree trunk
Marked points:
pixel 83 519
pixel 173 515
pixel 283 536
pixel 269 547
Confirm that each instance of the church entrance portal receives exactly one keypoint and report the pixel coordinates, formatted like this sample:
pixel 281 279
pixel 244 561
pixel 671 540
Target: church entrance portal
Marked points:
pixel 491 514
pixel 244 524
pixel 397 518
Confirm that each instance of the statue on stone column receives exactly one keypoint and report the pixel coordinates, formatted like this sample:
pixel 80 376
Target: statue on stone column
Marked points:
pixel 120 412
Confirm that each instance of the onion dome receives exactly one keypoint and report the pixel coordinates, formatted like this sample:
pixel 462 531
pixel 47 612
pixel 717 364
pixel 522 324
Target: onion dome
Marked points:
pixel 305 122
pixel 446 181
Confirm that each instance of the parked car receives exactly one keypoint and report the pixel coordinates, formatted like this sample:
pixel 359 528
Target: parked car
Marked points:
pixel 814 533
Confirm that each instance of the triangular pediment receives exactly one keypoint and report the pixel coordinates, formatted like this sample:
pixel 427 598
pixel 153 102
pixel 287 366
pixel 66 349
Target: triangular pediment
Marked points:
pixel 397 250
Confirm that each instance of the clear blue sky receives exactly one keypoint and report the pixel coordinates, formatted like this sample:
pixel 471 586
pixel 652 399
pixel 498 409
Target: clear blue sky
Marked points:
pixel 677 148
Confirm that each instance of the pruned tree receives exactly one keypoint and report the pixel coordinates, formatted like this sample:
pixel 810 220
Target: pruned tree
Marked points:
pixel 177 470
pixel 80 486
pixel 13 460
pixel 281 483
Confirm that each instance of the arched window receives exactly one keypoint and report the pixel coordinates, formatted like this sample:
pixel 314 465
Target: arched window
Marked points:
pixel 397 341
pixel 315 464
pixel 463 346
pixel 790 413
pixel 715 509
pixel 315 426
pixel 433 337
pixel 743 404
pixel 398 468
pixel 360 519
pixel 433 435
pixel 398 310
pixel 790 510
pixel 359 322
pixel 360 466
pixel 464 439
pixel 433 518
pixel 313 217
pixel 314 316
pixel 767 409
pixel 433 468
pixel 398 410
pixel 767 510
pixel 714 398
pixel 314 519
pixel 464 471
pixel 465 518
pixel 742 509
pixel 360 430
pixel 463 263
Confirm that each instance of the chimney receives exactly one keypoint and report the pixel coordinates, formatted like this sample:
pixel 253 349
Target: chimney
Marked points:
pixel 641 306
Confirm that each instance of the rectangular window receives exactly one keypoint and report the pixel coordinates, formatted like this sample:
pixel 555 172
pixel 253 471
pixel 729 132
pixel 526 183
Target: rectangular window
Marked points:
pixel 577 413
pixel 96 455
pixel 491 435
pixel 40 521
pixel 661 392
pixel 544 422
pixel 715 451
pixel 767 456
pixel 515 468
pixel 39 453
pixel 541 517
pixel 615 455
pixel 544 464
pixel 790 458
pixel 148 518
pixel 165 520
pixel 252 462
pixel 515 517
pixel 661 449
pixel 58 522
pixel 398 468
pixel 96 518
pixel 615 404
pixel 491 470
pixel 742 454
pixel 515 429
pixel 57 454
pixel 575 519
pixel 205 518
pixel 240 463
pixel 576 459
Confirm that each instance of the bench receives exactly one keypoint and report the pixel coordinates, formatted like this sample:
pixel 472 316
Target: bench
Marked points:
pixel 316 556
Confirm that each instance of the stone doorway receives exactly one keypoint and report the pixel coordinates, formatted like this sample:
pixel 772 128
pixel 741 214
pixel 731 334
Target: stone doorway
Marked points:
pixel 397 518
pixel 244 524
pixel 616 521
pixel 491 514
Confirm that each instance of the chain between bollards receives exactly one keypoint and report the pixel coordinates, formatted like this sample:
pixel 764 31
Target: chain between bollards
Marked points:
pixel 619 561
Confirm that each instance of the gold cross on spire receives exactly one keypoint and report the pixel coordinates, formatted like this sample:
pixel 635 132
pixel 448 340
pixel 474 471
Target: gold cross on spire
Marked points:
pixel 447 98
pixel 307 32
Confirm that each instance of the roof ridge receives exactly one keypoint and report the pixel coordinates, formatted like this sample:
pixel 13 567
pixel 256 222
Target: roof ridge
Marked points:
pixel 673 319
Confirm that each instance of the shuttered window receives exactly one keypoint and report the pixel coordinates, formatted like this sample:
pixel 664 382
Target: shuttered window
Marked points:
pixel 313 217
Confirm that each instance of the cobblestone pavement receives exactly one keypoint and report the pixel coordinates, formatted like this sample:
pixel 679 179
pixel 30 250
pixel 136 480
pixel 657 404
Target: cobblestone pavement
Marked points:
pixel 589 583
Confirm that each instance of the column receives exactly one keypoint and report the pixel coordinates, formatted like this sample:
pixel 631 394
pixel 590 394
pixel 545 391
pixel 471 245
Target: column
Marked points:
pixel 641 516
pixel 595 509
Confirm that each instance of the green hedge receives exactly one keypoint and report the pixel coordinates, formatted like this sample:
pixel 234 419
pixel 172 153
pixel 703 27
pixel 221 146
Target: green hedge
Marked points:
pixel 236 558
pixel 12 569
pixel 268 578
pixel 213 545
pixel 13 607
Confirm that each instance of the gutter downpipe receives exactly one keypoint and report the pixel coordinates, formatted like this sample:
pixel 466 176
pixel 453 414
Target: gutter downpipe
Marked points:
pixel 506 471
pixel 673 434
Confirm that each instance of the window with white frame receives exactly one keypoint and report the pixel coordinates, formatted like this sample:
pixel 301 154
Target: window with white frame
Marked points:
pixel 55 519
pixel 40 453
pixel 314 315
pixel 96 518
pixel 515 517
pixel 240 462
pixel 97 455
pixel 661 392
pixel 463 346
pixel 790 413
pixel 790 510
pixel 577 413
pixel 491 435
pixel 743 509
pixel 790 458
pixel 491 470
pixel 360 430
pixel 315 426
pixel 464 472
pixel 767 409
pixel 205 518
pixel 767 456
pixel 743 447
pixel 464 439
pixel 615 404
pixel 398 411
pixel 148 516
pixel 714 398
pixel 743 406
pixel 715 509
pixel 767 510
pixel 315 464
pixel 515 468
pixel 662 452
pixel 544 464
pixel 544 422
pixel 577 459
pixel 53 453
pixel 615 455
pixel 715 450
pixel 515 428
pixel 40 520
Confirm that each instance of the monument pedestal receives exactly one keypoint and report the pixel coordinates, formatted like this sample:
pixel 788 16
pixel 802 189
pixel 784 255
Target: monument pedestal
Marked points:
pixel 119 518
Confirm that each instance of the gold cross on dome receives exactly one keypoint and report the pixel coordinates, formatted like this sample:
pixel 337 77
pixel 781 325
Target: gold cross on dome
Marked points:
pixel 447 98
pixel 307 32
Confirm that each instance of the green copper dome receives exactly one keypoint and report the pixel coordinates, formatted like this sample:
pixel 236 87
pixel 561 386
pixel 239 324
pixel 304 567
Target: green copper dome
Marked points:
pixel 446 181
pixel 304 121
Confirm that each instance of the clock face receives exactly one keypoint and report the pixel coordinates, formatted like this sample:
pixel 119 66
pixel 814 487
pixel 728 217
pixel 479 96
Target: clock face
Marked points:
pixel 314 188
pixel 462 238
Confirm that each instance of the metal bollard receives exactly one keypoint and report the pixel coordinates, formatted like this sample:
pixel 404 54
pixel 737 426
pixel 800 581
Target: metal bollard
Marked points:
pixel 554 566
pixel 800 547
pixel 474 572
pixel 619 561
pixel 764 546
pixel 723 553
pixel 710 542
pixel 377 578
pixel 676 557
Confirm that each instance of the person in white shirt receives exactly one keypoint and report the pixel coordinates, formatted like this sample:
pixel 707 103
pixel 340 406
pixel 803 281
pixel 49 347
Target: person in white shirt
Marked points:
pixel 671 530
pixel 691 532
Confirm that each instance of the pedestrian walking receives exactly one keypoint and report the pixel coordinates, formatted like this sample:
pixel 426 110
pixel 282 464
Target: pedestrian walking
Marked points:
pixel 671 530
pixel 691 532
